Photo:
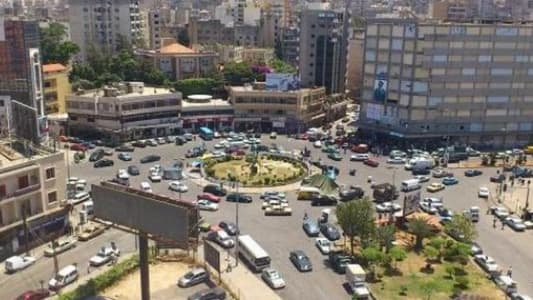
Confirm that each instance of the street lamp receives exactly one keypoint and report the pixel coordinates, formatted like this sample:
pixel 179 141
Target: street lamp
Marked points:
pixel 527 196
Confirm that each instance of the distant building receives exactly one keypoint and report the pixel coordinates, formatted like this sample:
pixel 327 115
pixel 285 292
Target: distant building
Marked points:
pixel 204 111
pixel 203 32
pixel 257 55
pixel 354 73
pixel 154 28
pixel 56 88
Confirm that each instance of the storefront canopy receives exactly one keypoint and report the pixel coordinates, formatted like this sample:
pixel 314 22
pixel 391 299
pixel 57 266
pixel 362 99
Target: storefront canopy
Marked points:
pixel 326 185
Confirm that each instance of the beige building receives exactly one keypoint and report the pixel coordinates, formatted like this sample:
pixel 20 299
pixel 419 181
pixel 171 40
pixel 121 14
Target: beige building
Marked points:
pixel 32 189
pixel 268 110
pixel 56 88
pixel 257 55
pixel 354 68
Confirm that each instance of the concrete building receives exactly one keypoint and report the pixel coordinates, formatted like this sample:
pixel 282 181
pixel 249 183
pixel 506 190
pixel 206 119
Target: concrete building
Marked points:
pixel 354 73
pixel 323 48
pixel 281 111
pixel 204 111
pixel 56 88
pixel 203 32
pixel 257 55
pixel 32 191
pixel 103 23
pixel 180 62
pixel 468 81
pixel 154 28
pixel 125 112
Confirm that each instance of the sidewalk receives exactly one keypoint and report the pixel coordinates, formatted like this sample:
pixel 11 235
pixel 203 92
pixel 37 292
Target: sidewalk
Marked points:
pixel 514 198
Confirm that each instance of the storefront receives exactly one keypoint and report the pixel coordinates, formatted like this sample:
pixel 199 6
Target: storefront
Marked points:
pixel 192 124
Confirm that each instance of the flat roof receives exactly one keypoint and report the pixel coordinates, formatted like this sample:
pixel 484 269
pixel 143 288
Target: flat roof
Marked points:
pixel 147 91
pixel 212 102
pixel 9 156
pixel 250 89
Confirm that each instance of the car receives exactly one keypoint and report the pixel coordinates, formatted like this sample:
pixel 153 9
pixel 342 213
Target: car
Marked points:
pixel 221 238
pixel 387 207
pixel 124 148
pixel 273 278
pixel 108 152
pixel 193 277
pixel 133 170
pixel 188 136
pixel 139 144
pixel 475 248
pixel 396 161
pixel 151 142
pixel 215 293
pixel 208 197
pixel 330 231
pixel 39 294
pixel 215 189
pixel 17 263
pixel 515 223
pixel 104 163
pixel 359 157
pixel 268 194
pixel 371 163
pixel 500 212
pixel 124 156
pixel 317 144
pixel 487 263
pixel 161 140
pixel 178 186
pixel 64 277
pixel 335 156
pixel 516 296
pixel 450 181
pixel 104 255
pixel 241 198
pixel 435 187
pixel 206 205
pixel 90 232
pixel 430 205
pixel 96 155
pixel 420 171
pixel 150 158
pixel 483 192
pixel 445 215
pixel 351 193
pixel 397 153
pixel 229 227
pixel 60 246
pixel 422 178
pixel 273 135
pixel 78 147
pixel 473 173
pixel 301 261
pixel 323 200
pixel 323 244
pixel 311 227
pixel 497 178
pixel 155 177
pixel 441 173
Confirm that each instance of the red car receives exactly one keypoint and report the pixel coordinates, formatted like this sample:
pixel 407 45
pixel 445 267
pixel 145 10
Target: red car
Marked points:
pixel 372 163
pixel 78 147
pixel 34 295
pixel 208 197
pixel 361 148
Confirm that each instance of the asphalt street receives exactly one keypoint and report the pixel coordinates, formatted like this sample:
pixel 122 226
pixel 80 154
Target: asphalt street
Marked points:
pixel 280 235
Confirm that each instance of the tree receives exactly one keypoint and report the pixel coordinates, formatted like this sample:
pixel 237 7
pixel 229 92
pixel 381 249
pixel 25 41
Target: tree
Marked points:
pixel 397 254
pixel 431 253
pixel 281 67
pixel 456 251
pixel 385 236
pixel 421 229
pixel 461 227
pixel 372 256
pixel 238 73
pixel 196 86
pixel 438 244
pixel 429 287
pixel 356 218
pixel 54 46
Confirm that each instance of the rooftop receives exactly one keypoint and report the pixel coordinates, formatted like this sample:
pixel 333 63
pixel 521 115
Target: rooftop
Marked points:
pixel 146 91
pixel 251 89
pixel 213 102
pixel 176 48
pixel 51 68
pixel 18 153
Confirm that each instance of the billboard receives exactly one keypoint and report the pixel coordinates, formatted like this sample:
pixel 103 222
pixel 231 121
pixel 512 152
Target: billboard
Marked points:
pixel 410 203
pixel 156 215
pixel 211 255
pixel 282 82
pixel 42 127
pixel 380 86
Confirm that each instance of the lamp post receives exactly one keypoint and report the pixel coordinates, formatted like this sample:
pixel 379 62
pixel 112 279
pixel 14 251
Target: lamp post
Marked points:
pixel 527 195
pixel 391 216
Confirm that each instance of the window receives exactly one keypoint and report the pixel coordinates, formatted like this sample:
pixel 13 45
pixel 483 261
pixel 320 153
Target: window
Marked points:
pixel 469 71
pixel 52 197
pixel 50 173
pixel 23 182
pixel 2 191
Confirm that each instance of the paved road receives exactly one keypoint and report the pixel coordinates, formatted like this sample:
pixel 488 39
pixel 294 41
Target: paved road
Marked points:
pixel 279 235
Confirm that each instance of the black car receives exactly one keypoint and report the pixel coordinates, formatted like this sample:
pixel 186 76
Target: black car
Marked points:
pixel 301 261
pixel 229 227
pixel 150 158
pixel 214 189
pixel 241 198
pixel 420 171
pixel 104 163
pixel 124 148
pixel 472 173
pixel 96 155
pixel 216 293
pixel 133 170
pixel 139 144
pixel 497 178
pixel 180 140
pixel 323 201
pixel 352 193
pixel 338 261
pixel 330 231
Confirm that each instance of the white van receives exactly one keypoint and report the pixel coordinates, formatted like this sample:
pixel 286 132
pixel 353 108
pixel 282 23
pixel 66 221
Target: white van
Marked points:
pixel 410 185
pixel 64 277
pixel 88 206
pixel 145 186
pixel 80 197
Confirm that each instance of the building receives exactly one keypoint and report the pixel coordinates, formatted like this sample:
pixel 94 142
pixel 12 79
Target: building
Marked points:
pixel 323 48
pixel 32 193
pixel 354 72
pixel 124 112
pixel 471 82
pixel 290 45
pixel 202 32
pixel 180 62
pixel 204 111
pixel 104 23
pixel 258 55
pixel 154 28
pixel 21 77
pixel 282 111
pixel 56 88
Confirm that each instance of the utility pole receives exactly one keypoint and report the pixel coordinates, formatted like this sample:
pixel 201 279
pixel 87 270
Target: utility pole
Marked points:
pixel 26 233
pixel 144 265
pixel 237 224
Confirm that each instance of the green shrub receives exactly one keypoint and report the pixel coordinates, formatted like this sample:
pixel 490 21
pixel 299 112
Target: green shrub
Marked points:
pixel 462 282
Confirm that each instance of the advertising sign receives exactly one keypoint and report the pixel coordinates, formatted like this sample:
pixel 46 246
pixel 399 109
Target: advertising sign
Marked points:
pixel 282 82
pixel 380 85
pixel 212 256
pixel 410 203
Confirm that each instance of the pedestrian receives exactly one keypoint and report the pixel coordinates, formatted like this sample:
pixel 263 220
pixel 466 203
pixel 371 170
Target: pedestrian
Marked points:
pixel 494 223
pixel 510 271
pixel 305 215
pixel 503 225
pixel 88 268
pixel 345 150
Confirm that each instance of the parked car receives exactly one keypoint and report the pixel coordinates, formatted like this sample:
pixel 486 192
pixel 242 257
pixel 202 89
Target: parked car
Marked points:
pixel 483 192
pixel 124 148
pixel 515 223
pixel 323 244
pixel 441 173
pixel 354 192
pixel 229 227
pixel 301 261
pixel 387 207
pixel 273 278
pixel 330 231
pixel 322 200
pixel 472 173
pixel 150 158
pixel 206 205
pixel 420 171
pixel 155 177
pixel 133 170
pixel 215 293
pixel 64 277
pixel 487 263
pixel 39 294
pixel 178 186
pixel 90 232
pixel 475 248
pixel 435 187
pixel 335 156
pixel 500 212
pixel 311 227
pixel 359 157
pixel 124 156
pixel 267 194
pixel 108 152
pixel 422 178
pixel 241 198
pixel 193 277
pixel 450 181
pixel 516 296
pixel 497 178
pixel 371 163
pixel 104 255
pixel 396 161
pixel 60 246
pixel 96 155
pixel 139 143
pixel 17 263
pixel 430 205
pixel 222 238
pixel 78 147
pixel 208 197
pixel 104 163
pixel 215 189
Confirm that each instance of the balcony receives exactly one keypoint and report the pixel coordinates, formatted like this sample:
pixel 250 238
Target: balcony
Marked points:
pixel 22 191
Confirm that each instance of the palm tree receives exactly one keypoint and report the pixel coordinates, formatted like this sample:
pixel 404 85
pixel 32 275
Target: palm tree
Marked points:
pixel 421 229
pixel 385 236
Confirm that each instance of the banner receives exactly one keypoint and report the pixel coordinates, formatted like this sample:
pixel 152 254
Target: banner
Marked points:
pixel 282 82
pixel 410 203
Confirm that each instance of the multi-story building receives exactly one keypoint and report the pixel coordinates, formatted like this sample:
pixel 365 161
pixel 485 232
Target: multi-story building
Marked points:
pixel 32 196
pixel 103 23
pixel 282 111
pixel 154 28
pixel 468 81
pixel 21 76
pixel 202 110
pixel 124 112
pixel 323 48
pixel 290 45
pixel 203 32
pixel 56 88
pixel 180 62
pixel 354 72
pixel 257 55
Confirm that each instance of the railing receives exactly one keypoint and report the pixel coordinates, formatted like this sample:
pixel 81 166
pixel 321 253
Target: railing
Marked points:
pixel 22 191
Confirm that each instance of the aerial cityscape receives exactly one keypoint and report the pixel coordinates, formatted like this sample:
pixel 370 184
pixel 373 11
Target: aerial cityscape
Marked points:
pixel 266 149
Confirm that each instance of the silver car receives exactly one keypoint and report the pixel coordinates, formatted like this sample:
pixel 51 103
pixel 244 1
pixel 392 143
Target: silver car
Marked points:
pixel 273 278
pixel 194 277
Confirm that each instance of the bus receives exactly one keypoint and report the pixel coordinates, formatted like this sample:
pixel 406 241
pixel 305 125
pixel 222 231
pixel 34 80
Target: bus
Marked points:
pixel 206 133
pixel 308 193
pixel 255 256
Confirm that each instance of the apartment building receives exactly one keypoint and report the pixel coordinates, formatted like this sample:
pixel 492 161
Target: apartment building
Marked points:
pixel 56 88
pixel 215 32
pixel 32 190
pixel 103 23
pixel 125 111
pixel 257 55
pixel 282 111
pixel 154 28
pixel 468 81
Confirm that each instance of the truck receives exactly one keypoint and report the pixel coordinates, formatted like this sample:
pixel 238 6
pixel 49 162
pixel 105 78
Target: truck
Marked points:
pixel 385 192
pixel 472 213
pixel 356 278
pixel 420 162
pixel 338 260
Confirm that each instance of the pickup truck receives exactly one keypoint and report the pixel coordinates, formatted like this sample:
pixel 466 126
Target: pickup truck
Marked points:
pixel 338 261
pixel 356 278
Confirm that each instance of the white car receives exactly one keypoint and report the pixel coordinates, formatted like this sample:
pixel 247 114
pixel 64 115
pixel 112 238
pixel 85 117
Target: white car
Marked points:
pixel 359 157
pixel 155 168
pixel 60 246
pixel 487 263
pixel 161 141
pixel 17 263
pixel 273 278
pixel 515 223
pixel 317 144
pixel 483 192
pixel 218 154
pixel 155 177
pixel 430 205
pixel 500 212
pixel 178 186
pixel 104 255
pixel 422 178
pixel 123 174
pixel 387 207
pixel 396 160
pixel 206 205
pixel 219 146
pixel 323 244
